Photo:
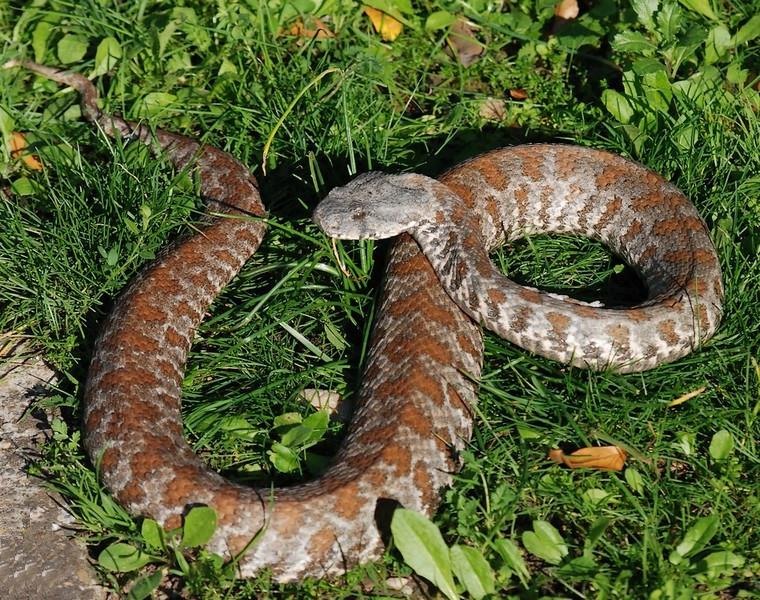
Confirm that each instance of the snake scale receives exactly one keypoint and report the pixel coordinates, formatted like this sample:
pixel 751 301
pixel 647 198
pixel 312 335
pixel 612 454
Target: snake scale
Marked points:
pixel 413 411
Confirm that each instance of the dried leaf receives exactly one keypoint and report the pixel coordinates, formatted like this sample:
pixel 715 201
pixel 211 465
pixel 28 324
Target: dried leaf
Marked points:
pixel 312 28
pixel 17 145
pixel 462 42
pixel 567 9
pixel 388 27
pixel 493 109
pixel 331 402
pixel 686 397
pixel 602 458
pixel 518 94
pixel 400 584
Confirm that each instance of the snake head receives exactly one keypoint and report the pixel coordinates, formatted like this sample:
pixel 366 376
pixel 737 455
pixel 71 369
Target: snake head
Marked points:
pixel 375 206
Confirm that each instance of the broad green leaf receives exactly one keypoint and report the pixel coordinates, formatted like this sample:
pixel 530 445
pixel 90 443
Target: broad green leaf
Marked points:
pixel 318 421
pixel 23 186
pixel 735 74
pixel 334 336
pixel 7 124
pixel 633 42
pixel 151 532
pixel 617 105
pixel 679 54
pixel 199 526
pixel 580 32
pixel 297 437
pixel 238 427
pixel 634 480
pixel 422 546
pixel 106 56
pixel 528 433
pixel 188 24
pixel 165 35
pixel 721 445
pixel 512 557
pixel 545 542
pixel 472 570
pixel 687 137
pixel 696 538
pixel 637 136
pixel 749 31
pixel 145 586
pixel 226 67
pixel 145 213
pixel 583 566
pixel 131 225
pixel 291 418
pixel 405 6
pixel 72 48
pixel 216 560
pixel 440 19
pixel 645 66
pixel 112 258
pixel 305 6
pixel 284 459
pixel 123 558
pixel 309 432
pixel 670 19
pixel 658 91
pixel 596 496
pixel 645 10
pixel 719 564
pixel 686 442
pixel 717 44
pixel 181 561
pixel 153 102
pixel 702 7
pixel 596 531
pixel 40 37
pixel 700 87
pixel 60 429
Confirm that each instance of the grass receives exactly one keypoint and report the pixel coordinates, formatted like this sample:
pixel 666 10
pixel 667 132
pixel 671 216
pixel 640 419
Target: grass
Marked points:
pixel 654 81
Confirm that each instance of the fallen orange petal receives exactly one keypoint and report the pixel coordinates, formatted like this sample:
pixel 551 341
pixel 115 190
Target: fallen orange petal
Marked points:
pixel 602 458
pixel 18 146
pixel 518 94
pixel 388 27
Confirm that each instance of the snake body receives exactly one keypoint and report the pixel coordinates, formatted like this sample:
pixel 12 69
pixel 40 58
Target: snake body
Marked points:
pixel 507 194
pixel 413 410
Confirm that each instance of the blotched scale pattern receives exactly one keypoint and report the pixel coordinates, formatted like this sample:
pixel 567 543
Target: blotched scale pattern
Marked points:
pixel 414 407
pixel 515 192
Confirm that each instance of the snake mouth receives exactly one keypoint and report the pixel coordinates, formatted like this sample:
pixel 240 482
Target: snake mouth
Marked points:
pixel 341 224
pixel 324 222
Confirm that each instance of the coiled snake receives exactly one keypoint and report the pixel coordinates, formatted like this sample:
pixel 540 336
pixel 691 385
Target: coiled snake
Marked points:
pixel 414 407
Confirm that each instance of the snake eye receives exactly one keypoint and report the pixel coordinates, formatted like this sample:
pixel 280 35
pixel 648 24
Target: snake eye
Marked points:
pixel 359 215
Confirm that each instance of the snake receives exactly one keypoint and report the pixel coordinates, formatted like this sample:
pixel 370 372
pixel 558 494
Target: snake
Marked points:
pixel 414 408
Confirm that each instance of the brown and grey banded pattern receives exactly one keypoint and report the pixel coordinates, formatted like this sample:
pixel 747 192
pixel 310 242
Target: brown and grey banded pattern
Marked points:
pixel 546 188
pixel 414 405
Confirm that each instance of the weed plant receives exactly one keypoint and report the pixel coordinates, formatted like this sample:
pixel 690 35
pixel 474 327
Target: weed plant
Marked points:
pixel 673 85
